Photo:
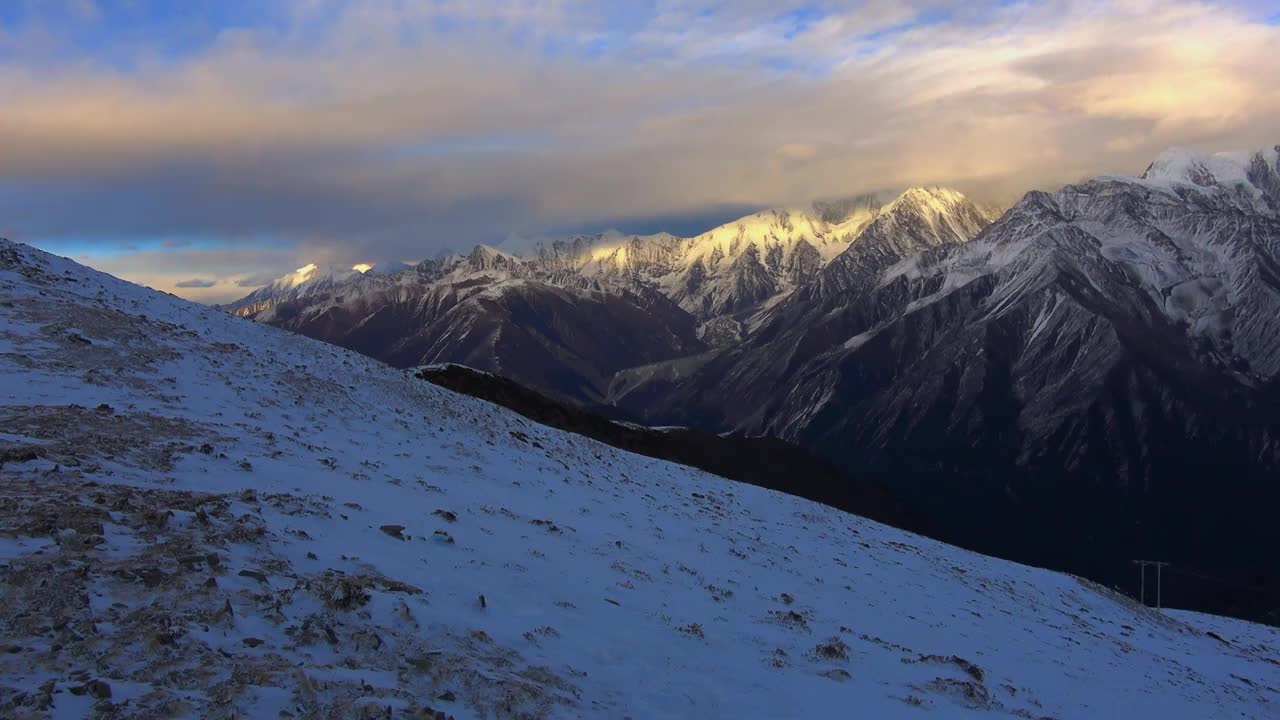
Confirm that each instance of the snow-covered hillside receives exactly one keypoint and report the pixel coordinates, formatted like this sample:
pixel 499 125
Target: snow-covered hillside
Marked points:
pixel 201 516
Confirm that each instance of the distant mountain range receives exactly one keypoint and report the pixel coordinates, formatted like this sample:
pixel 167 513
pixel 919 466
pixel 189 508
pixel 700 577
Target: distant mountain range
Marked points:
pixel 1087 378
pixel 571 314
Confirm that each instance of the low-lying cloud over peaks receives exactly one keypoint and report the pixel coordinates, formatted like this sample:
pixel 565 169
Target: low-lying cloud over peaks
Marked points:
pixel 351 129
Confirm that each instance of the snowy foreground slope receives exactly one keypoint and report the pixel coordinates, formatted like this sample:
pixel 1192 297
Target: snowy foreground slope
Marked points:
pixel 203 516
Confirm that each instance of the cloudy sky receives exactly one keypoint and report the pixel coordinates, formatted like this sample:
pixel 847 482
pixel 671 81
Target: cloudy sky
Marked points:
pixel 203 145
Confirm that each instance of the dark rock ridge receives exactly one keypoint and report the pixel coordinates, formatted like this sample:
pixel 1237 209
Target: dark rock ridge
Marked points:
pixel 764 461
pixel 563 339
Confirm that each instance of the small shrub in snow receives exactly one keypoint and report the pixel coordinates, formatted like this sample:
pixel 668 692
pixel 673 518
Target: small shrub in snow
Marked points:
pixel 340 593
pixel 791 618
pixel 833 649
pixel 693 630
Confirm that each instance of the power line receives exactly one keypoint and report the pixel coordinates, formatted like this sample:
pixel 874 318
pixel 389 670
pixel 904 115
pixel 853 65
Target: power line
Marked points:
pixel 1216 580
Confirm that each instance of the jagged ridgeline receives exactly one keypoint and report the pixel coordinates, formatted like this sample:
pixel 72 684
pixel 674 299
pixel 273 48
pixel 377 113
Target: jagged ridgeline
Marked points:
pixel 566 316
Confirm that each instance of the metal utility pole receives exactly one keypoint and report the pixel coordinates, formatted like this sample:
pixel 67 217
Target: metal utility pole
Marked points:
pixel 1142 583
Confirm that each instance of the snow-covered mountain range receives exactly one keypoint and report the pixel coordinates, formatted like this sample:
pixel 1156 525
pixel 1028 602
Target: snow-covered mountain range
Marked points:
pixel 567 315
pixel 729 269
pixel 203 516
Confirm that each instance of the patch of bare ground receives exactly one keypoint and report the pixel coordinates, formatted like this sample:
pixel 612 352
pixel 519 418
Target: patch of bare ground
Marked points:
pixel 970 690
pixel 107 345
pixel 163 603
pixel 69 433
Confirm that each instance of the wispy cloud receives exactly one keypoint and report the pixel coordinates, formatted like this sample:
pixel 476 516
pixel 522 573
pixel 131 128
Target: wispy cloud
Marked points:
pixel 195 283
pixel 357 129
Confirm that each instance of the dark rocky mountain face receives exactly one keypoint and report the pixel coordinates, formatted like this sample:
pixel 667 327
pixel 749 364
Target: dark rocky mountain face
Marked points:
pixel 565 341
pixel 1092 380
pixel 570 343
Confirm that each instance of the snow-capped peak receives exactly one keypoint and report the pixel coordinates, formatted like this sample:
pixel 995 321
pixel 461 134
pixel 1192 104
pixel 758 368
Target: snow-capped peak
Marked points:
pixel 297 277
pixel 1253 176
pixel 936 199
pixel 486 257
pixel 1181 165
pixel 935 214
pixel 303 275
pixel 918 220
pixel 306 279
pixel 387 267
pixel 313 272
